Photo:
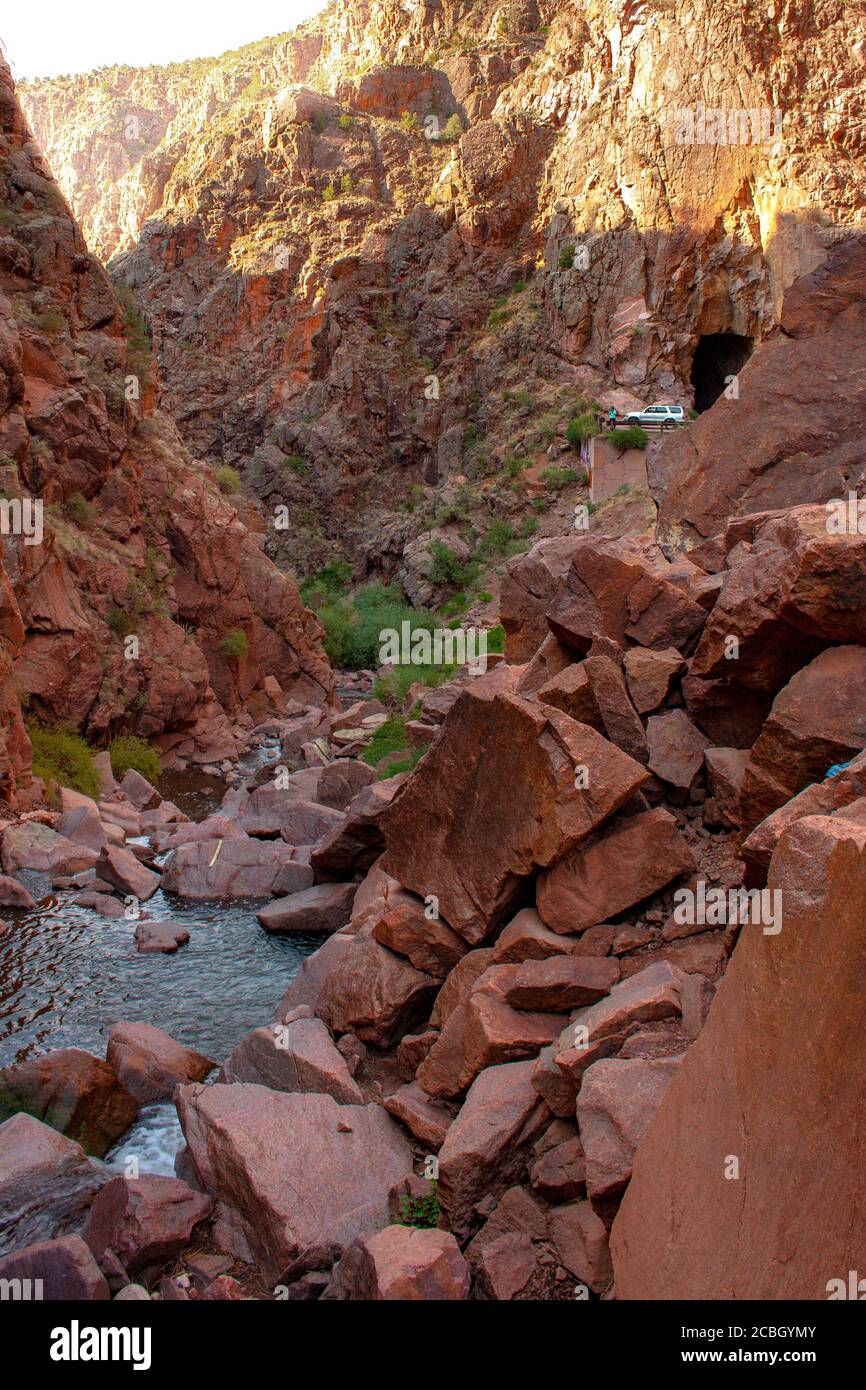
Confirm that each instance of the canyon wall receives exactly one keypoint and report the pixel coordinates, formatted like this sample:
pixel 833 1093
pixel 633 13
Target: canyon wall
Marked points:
pixel 125 568
pixel 337 300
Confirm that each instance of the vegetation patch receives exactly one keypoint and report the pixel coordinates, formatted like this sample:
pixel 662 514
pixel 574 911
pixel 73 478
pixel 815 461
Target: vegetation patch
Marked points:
pixel 129 751
pixel 632 438
pixel 62 759
pixel 234 646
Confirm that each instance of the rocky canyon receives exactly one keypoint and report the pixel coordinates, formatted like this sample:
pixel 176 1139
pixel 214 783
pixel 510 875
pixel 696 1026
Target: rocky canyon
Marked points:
pixel 433 660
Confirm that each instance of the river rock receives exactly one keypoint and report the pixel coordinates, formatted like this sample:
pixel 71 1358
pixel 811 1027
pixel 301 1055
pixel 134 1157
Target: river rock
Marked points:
pixel 47 1182
pixel 65 1270
pixel 402 1263
pixel 122 869
pixel 255 1151
pixel 149 1063
pixel 14 894
pixel 295 1056
pixel 210 869
pixel 144 1220
pixel 160 938
pixel 560 983
pixel 31 845
pixel 76 1093
pixel 324 908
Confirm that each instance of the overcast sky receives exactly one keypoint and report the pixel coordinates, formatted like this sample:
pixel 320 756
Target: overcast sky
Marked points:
pixel 43 38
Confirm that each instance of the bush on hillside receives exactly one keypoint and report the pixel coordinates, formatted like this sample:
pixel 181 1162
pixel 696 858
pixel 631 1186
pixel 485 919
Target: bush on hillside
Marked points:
pixel 62 759
pixel 129 751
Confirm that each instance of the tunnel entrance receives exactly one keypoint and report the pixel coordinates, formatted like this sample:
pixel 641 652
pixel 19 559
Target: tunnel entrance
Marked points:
pixel 717 357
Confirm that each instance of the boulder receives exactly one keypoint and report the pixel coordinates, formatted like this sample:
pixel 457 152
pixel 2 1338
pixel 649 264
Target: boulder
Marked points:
pixel 821 798
pixel 486 1146
pixel 711 1213
pixel 354 845
pixel 726 768
pixel 402 1263
pixel 817 720
pixel 476 862
pixel 295 1056
pixel 82 826
pixel 255 1151
pixel 31 845
pixel 375 994
pixel 676 748
pixel 560 983
pixel 401 923
pixel 620 719
pixel 149 1063
pixel 144 1220
pixel 650 994
pixel 618 588
pixel 572 691
pixel 559 1174
pixel 125 872
pixel 47 1182
pixel 649 674
pixel 618 1099
pixel 632 861
pixel 497 1032
pixel 210 869
pixel 14 894
pixel 341 781
pixel 580 1239
pixel 425 1120
pixel 76 1093
pixel 324 908
pixel 139 791
pixel 62 1270
pixel 306 987
pixel 786 596
pixel 530 583
pixel 527 938
pixel 216 827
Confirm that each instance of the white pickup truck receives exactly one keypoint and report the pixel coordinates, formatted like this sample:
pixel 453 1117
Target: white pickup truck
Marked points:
pixel 665 416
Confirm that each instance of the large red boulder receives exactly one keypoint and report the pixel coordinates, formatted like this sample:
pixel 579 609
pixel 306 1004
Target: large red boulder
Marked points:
pixel 74 1092
pixel 618 1099
pixel 374 993
pixel 234 868
pixel 402 1263
pixel 61 1270
pixel 711 1212
pixel 144 1220
pixel 485 1150
pixel 258 1152
pixel 149 1063
pixel 295 1056
pixel 453 833
pixel 47 1182
pixel 818 719
pixel 633 860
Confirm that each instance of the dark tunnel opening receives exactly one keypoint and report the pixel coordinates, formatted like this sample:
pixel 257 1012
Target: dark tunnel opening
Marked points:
pixel 718 357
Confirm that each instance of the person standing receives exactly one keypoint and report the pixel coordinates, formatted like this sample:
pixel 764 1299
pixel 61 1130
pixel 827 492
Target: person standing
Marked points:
pixel 611 417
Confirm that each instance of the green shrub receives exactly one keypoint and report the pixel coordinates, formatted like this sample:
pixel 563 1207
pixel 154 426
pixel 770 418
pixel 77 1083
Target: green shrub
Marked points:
pixel 421 1211
pixel 346 183
pixel 62 758
pixel 632 438
pixel 394 686
pixel 78 510
pixel 344 122
pixel 566 257
pixel 404 764
pixel 496 638
pixel 297 465
pixel 409 121
pixel 447 568
pixel 51 322
pixel 390 737
pixel 330 582
pixel 557 478
pixel 234 646
pixel 485 596
pixel 229 479
pixel 129 751
pixel 329 192
pixel 453 128
pixel 353 626
pixel 581 428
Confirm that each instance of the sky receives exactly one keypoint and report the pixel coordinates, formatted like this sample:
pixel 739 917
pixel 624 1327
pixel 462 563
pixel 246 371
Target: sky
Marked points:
pixel 52 37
